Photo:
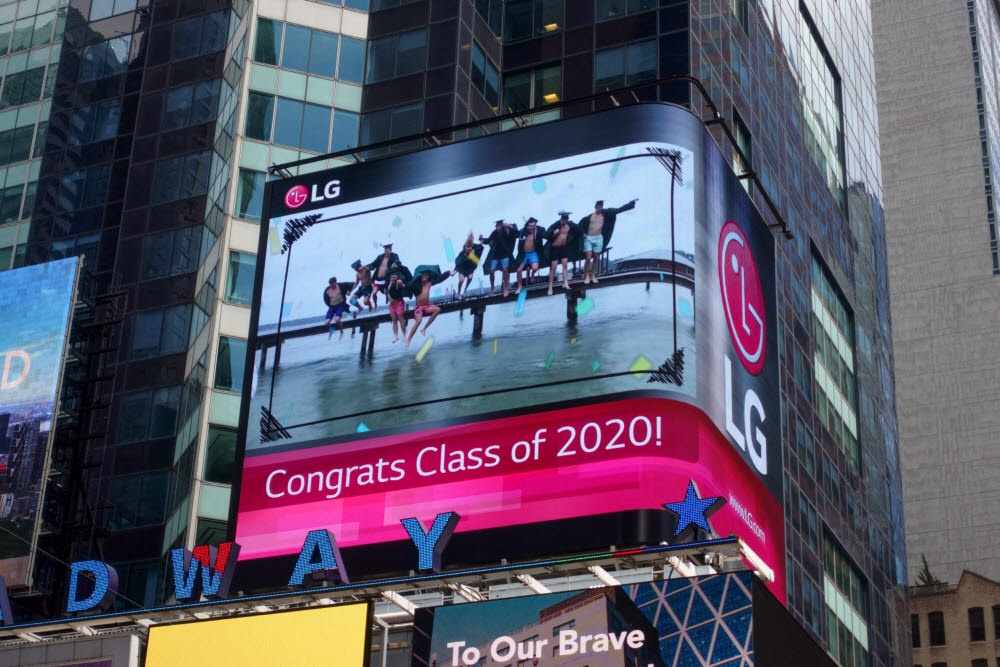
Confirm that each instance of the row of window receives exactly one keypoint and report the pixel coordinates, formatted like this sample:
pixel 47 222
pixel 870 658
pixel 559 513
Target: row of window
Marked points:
pixel 935 626
pixel 33 29
pixel 25 81
pixel 288 122
pixel 313 51
pixel 523 19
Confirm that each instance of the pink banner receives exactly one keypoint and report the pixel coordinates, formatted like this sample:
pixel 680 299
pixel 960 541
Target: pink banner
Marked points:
pixel 609 457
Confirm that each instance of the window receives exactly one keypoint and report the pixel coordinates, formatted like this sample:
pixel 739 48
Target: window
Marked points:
pixel 199 35
pixel 239 277
pixel 250 194
pixel 980 662
pixel 977 624
pixel 161 331
pixel 105 58
pixel 823 107
pixel 935 627
pixel 485 76
pixel 743 140
pixel 268 43
pixel 388 4
pixel 568 625
pixel 149 414
pixel 102 9
pixel 492 13
pixel 170 253
pixel 260 116
pixel 624 66
pixel 392 123
pixel 807 451
pixel 351 65
pixel 529 18
pixel 181 177
pixel 996 622
pixel 25 77
pixel 833 361
pixel 846 597
pixel 915 629
pixel 739 8
pixel 612 9
pixel 84 188
pixel 302 124
pixel 15 144
pixel 229 364
pixel 95 122
pixel 346 128
pixel 532 88
pixel 210 532
pixel 32 31
pixel 397 55
pixel 808 523
pixel 137 500
pixel 220 455
pixel 190 105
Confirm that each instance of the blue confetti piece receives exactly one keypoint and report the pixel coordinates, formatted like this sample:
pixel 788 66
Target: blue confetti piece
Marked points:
pixel 661 276
pixel 363 428
pixel 538 185
pixel 286 310
pixel 397 221
pixel 685 308
pixel 519 306
pixel 449 251
pixel 585 305
pixel 285 421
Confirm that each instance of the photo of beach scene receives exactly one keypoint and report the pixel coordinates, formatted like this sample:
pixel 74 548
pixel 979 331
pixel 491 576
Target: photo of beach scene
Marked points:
pixel 542 284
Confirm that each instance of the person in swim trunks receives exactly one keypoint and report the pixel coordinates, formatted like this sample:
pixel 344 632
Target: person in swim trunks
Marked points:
pixel 362 287
pixel 501 243
pixel 528 249
pixel 380 267
pixel 423 307
pixel 334 300
pixel 562 236
pixel 396 292
pixel 597 228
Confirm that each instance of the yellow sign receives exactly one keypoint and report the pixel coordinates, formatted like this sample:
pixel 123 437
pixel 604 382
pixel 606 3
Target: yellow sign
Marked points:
pixel 335 636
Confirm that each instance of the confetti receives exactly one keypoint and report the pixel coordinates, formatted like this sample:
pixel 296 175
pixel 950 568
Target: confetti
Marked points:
pixel 449 251
pixel 286 310
pixel 422 352
pixel 640 364
pixel 532 167
pixel 572 340
pixel 585 305
pixel 548 362
pixel 363 428
pixel 494 347
pixel 538 185
pixel 397 221
pixel 661 275
pixel 686 309
pixel 289 414
pixel 519 306
pixel 595 366
pixel 272 237
pixel 614 167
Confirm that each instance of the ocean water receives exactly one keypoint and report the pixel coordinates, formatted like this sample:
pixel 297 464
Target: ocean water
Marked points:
pixel 320 379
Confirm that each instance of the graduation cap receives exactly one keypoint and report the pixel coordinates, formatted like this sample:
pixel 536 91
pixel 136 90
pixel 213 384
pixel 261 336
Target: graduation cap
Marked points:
pixel 387 245
pixel 498 223
pixel 564 215
pixel 599 202
pixel 530 220
pixel 356 264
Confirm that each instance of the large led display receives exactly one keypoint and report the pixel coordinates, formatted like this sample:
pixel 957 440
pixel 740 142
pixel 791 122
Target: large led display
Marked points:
pixel 330 636
pixel 35 307
pixel 565 334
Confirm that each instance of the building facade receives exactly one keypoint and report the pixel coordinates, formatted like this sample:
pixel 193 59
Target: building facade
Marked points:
pixel 166 116
pixel 956 624
pixel 944 270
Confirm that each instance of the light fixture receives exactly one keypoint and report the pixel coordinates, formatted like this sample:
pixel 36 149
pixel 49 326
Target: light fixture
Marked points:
pixel 549 27
pixel 551 98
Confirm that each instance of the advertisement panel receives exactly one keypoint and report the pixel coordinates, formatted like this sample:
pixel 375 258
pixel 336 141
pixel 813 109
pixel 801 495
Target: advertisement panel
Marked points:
pixel 335 636
pixel 35 307
pixel 564 334
pixel 697 621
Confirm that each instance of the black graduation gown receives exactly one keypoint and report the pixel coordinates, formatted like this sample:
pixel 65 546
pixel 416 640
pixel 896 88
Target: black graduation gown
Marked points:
pixel 414 287
pixel 539 245
pixel 574 242
pixel 374 264
pixel 465 265
pixel 501 243
pixel 610 217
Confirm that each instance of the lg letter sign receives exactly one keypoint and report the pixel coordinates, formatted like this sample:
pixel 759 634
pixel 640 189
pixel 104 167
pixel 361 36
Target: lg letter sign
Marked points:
pixel 298 195
pixel 743 302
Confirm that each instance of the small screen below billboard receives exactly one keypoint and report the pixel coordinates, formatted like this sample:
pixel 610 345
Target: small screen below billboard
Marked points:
pixel 332 636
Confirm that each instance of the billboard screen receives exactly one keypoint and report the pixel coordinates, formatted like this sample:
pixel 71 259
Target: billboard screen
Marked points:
pixel 36 303
pixel 553 332
pixel 698 621
pixel 335 636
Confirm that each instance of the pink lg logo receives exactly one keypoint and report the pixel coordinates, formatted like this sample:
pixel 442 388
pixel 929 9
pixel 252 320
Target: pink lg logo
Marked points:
pixel 742 297
pixel 296 196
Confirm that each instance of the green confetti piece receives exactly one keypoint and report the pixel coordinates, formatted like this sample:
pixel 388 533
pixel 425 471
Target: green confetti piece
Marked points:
pixel 614 167
pixel 640 365
pixel 585 305
pixel 548 362
pixel 595 366
pixel 397 221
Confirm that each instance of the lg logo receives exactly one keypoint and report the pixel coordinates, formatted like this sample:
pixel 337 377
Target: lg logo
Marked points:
pixel 298 195
pixel 743 301
pixel 742 297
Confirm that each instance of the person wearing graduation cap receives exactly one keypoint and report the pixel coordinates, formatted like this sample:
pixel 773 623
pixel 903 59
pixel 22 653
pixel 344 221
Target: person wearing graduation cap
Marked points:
pixel 529 249
pixel 597 228
pixel 427 275
pixel 380 267
pixel 466 263
pixel 362 286
pixel 562 237
pixel 501 254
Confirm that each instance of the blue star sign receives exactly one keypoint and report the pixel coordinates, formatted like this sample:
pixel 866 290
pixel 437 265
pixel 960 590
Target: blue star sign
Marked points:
pixel 694 511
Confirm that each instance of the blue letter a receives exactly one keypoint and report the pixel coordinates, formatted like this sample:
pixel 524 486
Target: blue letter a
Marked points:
pixel 329 566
